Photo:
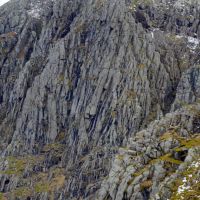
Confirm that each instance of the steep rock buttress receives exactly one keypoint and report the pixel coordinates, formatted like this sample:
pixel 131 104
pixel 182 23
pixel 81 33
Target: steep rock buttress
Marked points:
pixel 79 79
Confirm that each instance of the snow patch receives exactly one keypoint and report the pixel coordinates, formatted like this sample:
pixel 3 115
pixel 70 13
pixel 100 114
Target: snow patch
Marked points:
pixel 37 8
pixel 179 36
pixel 2 2
pixel 196 164
pixel 154 30
pixel 35 13
pixel 152 34
pixel 193 42
pixel 184 3
pixel 185 186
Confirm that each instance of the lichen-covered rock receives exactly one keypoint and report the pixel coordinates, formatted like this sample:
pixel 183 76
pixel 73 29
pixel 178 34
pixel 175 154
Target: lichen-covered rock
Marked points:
pixel 153 171
pixel 81 80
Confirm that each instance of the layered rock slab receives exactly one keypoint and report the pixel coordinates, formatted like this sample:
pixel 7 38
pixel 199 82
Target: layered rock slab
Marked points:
pixel 77 80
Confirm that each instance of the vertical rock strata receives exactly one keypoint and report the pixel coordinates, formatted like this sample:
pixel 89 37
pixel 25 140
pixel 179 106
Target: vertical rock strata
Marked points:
pixel 82 81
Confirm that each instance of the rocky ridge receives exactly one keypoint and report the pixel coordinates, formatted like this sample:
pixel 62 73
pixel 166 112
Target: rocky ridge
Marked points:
pixel 79 79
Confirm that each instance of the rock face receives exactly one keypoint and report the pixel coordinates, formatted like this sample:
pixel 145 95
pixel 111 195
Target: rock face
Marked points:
pixel 81 81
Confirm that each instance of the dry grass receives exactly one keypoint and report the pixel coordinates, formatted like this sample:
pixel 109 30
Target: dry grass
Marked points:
pixel 146 184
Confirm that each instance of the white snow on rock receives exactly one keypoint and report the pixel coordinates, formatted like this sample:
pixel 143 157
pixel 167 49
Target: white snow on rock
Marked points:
pixel 186 185
pixel 183 188
pixel 184 3
pixel 35 13
pixel 179 36
pixel 193 42
pixel 196 164
pixel 152 34
pixel 36 8
pixel 3 2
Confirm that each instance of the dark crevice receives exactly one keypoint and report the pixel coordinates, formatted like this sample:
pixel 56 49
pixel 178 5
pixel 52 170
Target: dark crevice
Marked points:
pixel 7 182
pixel 140 18
pixel 145 194
pixel 66 28
pixel 181 155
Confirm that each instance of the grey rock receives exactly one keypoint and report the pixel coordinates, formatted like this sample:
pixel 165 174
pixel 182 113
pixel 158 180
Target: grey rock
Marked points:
pixel 79 79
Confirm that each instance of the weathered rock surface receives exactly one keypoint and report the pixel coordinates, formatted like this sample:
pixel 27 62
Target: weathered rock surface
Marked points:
pixel 79 79
pixel 152 164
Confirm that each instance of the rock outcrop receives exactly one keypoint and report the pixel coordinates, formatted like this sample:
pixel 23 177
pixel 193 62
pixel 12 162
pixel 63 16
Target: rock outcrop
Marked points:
pixel 80 80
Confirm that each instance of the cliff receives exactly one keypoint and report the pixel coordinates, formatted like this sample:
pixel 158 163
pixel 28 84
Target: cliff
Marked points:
pixel 99 99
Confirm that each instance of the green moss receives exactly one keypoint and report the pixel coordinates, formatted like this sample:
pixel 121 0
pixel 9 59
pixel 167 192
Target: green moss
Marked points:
pixel 61 78
pixel 170 159
pixel 53 146
pixel 49 186
pixel 184 142
pixel 22 192
pixel 15 166
pixel 141 171
pixel 190 143
pixel 169 135
pixel 166 158
pixel 41 187
pixel 1 196
pixel 187 143
pixel 8 172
